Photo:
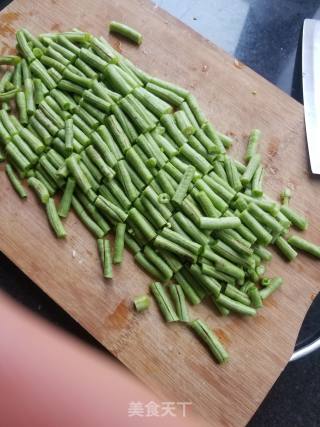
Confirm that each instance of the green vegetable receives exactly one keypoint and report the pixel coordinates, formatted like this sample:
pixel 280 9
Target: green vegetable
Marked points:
pixel 125 31
pixel 22 107
pixel 164 302
pixel 251 168
pixel 66 199
pixel 207 205
pixel 107 260
pixel 194 107
pixel 263 236
pixel 275 283
pixel 257 182
pixel 219 223
pixel 234 293
pixel 253 141
pixel 15 182
pixel 54 219
pixel 265 218
pixel 303 245
pixel 236 306
pixel 69 136
pixel 255 297
pixel 147 266
pixel 142 223
pixel 141 303
pixel 209 284
pixel 180 240
pixel 232 174
pixel 119 243
pixel 294 218
pixel 76 172
pixel 158 262
pixel 210 339
pixel 285 196
pixel 188 289
pixel 40 189
pixel 24 46
pixel 179 301
pixel 182 188
pixel 17 157
pixel 166 244
pixel 209 270
pixel 285 248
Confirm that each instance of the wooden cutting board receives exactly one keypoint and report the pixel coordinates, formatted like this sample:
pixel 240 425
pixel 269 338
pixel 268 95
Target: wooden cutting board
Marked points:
pixel 170 360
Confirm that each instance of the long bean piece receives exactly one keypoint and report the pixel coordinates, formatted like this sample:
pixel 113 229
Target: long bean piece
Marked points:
pixel 164 302
pixel 211 340
pixel 54 219
pixel 274 284
pixel 107 260
pixel 40 189
pixel 303 245
pixel 253 140
pixel 207 223
pixel 66 199
pixel 15 182
pixel 119 243
pixel 125 31
pixel 179 301
pixel 183 186
pixel 141 303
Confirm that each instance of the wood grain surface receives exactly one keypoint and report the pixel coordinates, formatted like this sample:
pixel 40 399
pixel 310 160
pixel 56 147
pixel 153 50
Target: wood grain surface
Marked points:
pixel 170 360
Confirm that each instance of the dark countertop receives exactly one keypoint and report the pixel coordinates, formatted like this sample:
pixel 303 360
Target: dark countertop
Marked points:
pixel 264 34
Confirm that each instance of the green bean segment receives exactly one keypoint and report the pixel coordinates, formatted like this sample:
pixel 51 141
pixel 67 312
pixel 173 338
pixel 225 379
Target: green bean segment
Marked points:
pixel 210 339
pixel 164 302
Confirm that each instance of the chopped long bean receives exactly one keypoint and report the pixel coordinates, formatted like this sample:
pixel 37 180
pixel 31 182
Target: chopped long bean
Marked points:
pixel 183 186
pixel 303 245
pixel 219 223
pixel 15 182
pixel 180 240
pixel 188 288
pixel 40 189
pixel 141 303
pixel 264 237
pixel 125 31
pixel 107 260
pixel 253 140
pixel 66 199
pixel 285 196
pixel 119 243
pixel 232 174
pixel 255 297
pixel 211 285
pixel 54 219
pixel 275 283
pixel 166 244
pixel 285 248
pixel 257 179
pixel 147 266
pixel 164 302
pixel 179 301
pixel 296 219
pixel 251 168
pixel 236 306
pixel 211 340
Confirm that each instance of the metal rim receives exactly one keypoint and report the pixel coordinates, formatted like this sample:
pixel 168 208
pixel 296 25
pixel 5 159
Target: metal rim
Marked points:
pixel 304 351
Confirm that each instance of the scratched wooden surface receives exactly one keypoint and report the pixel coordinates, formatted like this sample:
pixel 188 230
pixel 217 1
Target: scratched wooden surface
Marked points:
pixel 169 359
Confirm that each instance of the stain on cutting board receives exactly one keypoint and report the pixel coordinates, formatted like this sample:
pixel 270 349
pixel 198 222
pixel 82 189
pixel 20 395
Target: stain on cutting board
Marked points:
pixel 6 22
